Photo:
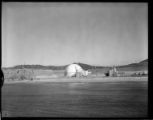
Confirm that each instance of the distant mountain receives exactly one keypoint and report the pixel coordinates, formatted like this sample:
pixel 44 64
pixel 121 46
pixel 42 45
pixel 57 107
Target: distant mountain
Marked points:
pixel 144 62
pixel 84 66
pixel 39 67
pixel 143 65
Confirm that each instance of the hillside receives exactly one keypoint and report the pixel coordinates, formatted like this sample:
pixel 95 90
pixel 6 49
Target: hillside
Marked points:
pixel 144 62
pixel 38 67
pixel 143 65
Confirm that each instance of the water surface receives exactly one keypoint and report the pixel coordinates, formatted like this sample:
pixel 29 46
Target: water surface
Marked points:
pixel 105 99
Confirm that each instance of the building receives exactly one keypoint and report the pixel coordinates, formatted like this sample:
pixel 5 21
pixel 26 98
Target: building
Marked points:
pixel 75 70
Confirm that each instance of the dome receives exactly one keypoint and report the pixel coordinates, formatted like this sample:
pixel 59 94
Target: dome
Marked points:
pixel 75 70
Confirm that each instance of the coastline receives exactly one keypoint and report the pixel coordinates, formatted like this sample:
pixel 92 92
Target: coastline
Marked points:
pixel 80 80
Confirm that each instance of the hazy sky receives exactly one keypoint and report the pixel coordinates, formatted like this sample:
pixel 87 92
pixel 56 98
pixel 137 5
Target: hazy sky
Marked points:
pixel 63 33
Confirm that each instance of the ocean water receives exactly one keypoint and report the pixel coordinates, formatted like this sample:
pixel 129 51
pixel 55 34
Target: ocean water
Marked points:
pixel 103 99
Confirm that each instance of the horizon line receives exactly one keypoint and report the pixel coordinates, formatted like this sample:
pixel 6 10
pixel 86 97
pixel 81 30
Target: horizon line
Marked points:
pixel 76 63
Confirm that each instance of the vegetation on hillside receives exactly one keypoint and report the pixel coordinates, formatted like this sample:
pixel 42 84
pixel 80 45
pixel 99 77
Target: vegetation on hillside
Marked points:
pixel 18 74
pixel 30 72
pixel 143 65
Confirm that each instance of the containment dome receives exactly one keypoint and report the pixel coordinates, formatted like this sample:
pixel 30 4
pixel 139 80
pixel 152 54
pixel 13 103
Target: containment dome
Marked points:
pixel 74 70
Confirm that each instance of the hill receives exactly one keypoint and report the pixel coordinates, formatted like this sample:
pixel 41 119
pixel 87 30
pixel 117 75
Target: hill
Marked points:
pixel 37 67
pixel 144 62
pixel 142 65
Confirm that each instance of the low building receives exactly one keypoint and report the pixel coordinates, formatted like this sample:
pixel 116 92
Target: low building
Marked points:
pixel 112 72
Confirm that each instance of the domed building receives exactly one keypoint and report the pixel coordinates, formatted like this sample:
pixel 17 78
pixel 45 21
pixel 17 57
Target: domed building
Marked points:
pixel 75 70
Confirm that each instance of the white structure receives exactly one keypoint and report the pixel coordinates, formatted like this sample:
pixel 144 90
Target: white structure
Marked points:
pixel 113 72
pixel 75 70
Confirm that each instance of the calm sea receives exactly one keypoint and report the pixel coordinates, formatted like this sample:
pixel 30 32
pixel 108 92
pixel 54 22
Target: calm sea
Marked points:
pixel 105 99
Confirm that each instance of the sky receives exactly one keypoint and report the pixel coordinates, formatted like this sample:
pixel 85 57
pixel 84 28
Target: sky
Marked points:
pixel 62 33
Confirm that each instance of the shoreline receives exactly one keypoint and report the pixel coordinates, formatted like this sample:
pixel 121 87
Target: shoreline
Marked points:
pixel 81 80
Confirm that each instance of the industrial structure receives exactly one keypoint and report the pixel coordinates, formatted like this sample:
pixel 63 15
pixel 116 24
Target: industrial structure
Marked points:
pixel 75 70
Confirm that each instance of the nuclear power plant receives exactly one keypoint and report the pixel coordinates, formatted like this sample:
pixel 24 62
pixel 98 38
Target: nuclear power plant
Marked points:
pixel 75 70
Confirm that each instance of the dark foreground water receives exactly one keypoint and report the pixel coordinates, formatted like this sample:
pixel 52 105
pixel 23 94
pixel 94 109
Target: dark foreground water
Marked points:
pixel 105 99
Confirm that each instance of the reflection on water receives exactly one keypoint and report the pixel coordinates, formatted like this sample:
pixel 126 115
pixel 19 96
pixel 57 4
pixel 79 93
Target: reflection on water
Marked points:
pixel 77 85
pixel 75 99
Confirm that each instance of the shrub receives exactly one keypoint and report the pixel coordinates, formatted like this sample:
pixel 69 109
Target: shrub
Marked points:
pixel 20 74
pixel 22 77
pixel 13 77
